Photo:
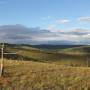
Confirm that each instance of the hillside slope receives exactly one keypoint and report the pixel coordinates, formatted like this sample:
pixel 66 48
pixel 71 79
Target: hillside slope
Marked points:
pixel 32 54
pixel 81 49
pixel 28 53
pixel 64 57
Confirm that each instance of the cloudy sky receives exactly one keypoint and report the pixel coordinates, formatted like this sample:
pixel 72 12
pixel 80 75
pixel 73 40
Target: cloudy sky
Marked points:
pixel 45 21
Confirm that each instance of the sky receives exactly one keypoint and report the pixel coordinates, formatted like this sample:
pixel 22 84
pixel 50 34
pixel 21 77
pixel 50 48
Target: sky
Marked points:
pixel 54 18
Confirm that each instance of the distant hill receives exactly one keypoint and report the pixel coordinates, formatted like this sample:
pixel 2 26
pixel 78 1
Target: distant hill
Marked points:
pixel 47 46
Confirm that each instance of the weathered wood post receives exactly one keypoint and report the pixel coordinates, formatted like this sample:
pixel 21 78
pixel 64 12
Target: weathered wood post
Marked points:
pixel 2 60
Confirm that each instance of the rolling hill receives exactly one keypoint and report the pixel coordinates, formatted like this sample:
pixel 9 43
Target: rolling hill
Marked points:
pixel 78 50
pixel 64 57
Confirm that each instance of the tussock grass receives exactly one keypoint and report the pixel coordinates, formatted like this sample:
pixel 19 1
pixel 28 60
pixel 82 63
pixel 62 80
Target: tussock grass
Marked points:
pixel 29 75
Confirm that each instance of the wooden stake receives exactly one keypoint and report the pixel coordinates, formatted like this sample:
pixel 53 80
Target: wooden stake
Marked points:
pixel 2 60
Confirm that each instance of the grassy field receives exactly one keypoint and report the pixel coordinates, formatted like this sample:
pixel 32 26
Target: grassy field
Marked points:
pixel 67 57
pixel 38 69
pixel 29 75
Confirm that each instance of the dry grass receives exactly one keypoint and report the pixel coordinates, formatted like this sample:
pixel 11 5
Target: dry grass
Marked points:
pixel 29 75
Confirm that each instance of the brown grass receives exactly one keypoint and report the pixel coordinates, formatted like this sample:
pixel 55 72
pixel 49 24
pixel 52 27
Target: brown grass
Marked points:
pixel 29 75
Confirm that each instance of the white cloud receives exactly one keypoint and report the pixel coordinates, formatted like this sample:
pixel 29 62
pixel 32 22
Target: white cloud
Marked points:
pixel 77 36
pixel 86 36
pixel 62 21
pixel 40 36
pixel 84 19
